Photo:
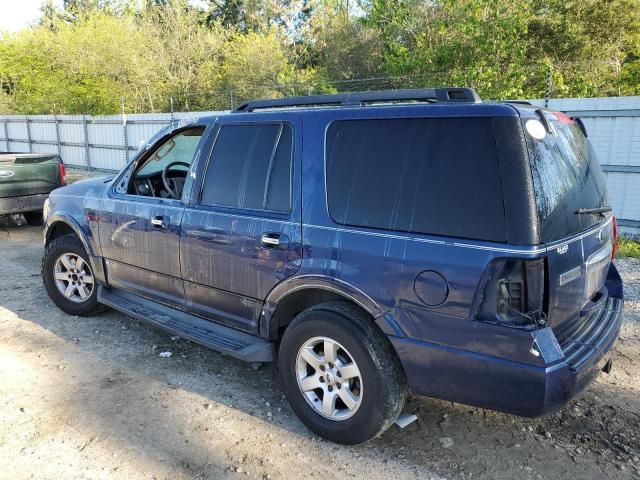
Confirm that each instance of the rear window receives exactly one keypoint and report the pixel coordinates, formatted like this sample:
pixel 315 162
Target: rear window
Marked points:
pixel 435 176
pixel 566 177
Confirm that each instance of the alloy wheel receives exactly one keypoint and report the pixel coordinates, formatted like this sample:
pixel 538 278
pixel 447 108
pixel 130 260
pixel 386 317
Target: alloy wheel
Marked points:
pixel 329 378
pixel 73 277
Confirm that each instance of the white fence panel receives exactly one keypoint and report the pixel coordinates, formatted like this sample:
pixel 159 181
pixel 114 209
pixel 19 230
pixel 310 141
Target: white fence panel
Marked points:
pixel 18 134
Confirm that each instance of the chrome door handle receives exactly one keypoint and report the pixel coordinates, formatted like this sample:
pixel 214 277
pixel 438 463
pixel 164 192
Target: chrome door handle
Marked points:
pixel 270 240
pixel 273 239
pixel 158 222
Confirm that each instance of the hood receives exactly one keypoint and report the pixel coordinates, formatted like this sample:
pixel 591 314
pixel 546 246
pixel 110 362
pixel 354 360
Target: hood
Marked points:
pixel 89 187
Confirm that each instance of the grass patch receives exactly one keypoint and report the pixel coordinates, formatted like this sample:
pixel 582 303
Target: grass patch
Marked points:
pixel 628 248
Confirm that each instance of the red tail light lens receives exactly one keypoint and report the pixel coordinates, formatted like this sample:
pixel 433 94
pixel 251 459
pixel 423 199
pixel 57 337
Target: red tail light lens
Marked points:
pixel 63 173
pixel 615 238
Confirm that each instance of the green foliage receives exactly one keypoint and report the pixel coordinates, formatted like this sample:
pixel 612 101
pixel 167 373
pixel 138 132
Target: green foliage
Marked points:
pixel 92 56
pixel 346 47
pixel 628 248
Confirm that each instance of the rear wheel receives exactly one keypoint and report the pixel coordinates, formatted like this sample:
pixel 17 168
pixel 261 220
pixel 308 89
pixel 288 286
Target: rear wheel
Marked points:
pixel 340 373
pixel 68 277
pixel 34 218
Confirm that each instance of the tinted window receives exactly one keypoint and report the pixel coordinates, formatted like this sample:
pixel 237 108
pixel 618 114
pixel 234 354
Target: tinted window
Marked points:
pixel 250 167
pixel 437 176
pixel 566 177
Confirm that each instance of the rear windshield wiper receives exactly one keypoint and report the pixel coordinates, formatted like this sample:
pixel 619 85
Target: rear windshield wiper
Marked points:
pixel 593 211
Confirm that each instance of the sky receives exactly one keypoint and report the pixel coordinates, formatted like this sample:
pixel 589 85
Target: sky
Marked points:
pixel 18 14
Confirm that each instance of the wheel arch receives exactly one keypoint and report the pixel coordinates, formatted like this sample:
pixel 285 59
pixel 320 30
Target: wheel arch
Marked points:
pixel 59 225
pixel 300 293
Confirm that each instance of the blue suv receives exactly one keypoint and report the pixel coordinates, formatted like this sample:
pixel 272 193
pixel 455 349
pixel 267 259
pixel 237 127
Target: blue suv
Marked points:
pixel 371 243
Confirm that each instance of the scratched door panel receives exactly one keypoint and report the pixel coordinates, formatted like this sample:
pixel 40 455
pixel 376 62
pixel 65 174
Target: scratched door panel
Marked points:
pixel 233 251
pixel 141 257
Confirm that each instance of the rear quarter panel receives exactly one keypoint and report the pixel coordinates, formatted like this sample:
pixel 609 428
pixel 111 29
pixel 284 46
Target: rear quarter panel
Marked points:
pixel 381 267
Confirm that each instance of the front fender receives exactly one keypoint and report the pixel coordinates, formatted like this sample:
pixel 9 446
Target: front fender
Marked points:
pixel 54 219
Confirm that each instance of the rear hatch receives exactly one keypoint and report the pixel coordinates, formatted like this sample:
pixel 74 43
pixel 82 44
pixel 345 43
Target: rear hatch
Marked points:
pixel 28 174
pixel 574 219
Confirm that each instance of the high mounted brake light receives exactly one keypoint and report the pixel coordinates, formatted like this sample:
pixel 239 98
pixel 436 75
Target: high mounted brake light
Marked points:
pixel 564 118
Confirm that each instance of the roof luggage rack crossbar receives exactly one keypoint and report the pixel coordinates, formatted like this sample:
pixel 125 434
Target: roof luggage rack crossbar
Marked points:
pixel 439 95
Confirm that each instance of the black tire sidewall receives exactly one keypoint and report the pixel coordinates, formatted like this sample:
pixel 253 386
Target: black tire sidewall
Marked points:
pixel 371 418
pixel 59 246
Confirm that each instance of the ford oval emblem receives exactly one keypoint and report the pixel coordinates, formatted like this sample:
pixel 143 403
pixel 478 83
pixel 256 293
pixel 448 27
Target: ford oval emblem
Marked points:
pixel 6 173
pixel 602 235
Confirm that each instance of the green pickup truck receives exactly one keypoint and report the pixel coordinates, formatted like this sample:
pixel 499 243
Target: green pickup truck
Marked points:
pixel 25 182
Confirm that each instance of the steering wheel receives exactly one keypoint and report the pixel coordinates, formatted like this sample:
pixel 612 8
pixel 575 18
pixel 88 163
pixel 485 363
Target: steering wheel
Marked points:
pixel 165 180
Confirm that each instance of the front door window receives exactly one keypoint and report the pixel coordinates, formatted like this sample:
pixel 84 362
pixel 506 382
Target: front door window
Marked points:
pixel 163 172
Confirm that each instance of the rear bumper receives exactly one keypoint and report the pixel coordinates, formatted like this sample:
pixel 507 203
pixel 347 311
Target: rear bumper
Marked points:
pixel 511 386
pixel 26 203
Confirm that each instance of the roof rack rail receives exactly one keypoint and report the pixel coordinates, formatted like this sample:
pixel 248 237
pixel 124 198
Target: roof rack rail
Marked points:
pixel 439 95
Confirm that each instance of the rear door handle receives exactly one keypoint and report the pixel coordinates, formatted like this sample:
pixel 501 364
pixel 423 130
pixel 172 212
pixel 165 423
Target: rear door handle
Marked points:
pixel 273 239
pixel 159 222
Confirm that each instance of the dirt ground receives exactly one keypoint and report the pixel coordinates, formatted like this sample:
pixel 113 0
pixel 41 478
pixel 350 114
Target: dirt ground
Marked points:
pixel 92 398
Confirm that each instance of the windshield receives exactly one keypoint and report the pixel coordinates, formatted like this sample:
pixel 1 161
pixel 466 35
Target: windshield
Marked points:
pixel 566 176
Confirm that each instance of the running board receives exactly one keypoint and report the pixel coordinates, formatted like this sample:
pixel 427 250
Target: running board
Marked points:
pixel 213 335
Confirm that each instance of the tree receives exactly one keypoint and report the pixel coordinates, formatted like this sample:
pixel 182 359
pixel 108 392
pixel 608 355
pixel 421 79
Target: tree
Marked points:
pixel 585 42
pixel 345 47
pixel 256 66
pixel 91 54
pixel 185 56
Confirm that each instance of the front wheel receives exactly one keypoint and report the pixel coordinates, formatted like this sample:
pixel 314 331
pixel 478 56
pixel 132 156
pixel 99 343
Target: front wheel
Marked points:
pixel 68 278
pixel 341 374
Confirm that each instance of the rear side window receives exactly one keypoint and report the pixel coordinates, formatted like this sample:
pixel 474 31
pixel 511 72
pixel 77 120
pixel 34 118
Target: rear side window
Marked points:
pixel 250 167
pixel 436 176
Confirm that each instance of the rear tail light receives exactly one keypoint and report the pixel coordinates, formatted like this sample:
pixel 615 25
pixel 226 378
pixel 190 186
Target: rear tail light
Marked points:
pixel 63 173
pixel 615 238
pixel 512 294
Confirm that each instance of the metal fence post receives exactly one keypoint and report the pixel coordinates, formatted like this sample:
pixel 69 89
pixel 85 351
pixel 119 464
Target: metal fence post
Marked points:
pixel 57 127
pixel 6 132
pixel 171 104
pixel 85 131
pixel 125 136
pixel 29 134
pixel 547 92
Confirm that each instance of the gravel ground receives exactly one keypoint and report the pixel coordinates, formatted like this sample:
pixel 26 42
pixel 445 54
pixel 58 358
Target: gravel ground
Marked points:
pixel 92 398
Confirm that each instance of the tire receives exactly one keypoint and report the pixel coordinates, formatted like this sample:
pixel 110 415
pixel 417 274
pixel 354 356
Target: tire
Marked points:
pixel 34 218
pixel 376 397
pixel 70 247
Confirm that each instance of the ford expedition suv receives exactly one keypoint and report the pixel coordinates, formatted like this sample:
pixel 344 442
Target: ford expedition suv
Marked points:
pixel 370 243
pixel 25 182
